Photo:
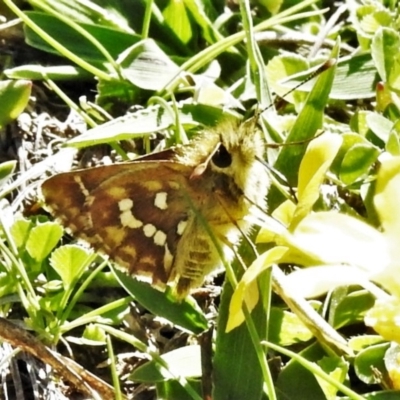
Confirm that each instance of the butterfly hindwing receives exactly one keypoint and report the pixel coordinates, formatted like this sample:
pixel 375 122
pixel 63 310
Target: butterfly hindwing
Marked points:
pixel 134 212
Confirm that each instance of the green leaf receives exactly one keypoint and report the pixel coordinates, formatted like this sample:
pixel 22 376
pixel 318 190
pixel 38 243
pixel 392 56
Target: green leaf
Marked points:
pixel 246 292
pixel 355 78
pixel 349 308
pixel 70 261
pixel 379 125
pixel 358 343
pixel 387 196
pixel 9 286
pixel 357 162
pixel 348 150
pixel 234 379
pixel 14 97
pixel 146 121
pixel 311 116
pixel 297 383
pixel 185 314
pixel 146 66
pixel 287 329
pixel 337 369
pixel 113 40
pixel 392 364
pixel 176 16
pixel 110 15
pixel 138 124
pixel 183 362
pixel 7 168
pixel 20 232
pixel 42 240
pixel 335 238
pixel 384 46
pixel 95 334
pixel 383 318
pixel 282 67
pixel 200 11
pixel 393 142
pixel 174 390
pixel 369 361
pixel 316 161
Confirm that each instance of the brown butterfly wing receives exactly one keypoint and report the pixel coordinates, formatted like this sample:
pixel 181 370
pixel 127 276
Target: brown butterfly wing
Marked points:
pixel 130 211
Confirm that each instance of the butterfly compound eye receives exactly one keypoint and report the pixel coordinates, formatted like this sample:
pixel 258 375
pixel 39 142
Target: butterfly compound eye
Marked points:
pixel 222 158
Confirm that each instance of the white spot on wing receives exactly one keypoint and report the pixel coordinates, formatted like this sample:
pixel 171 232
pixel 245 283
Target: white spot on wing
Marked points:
pixel 160 201
pixel 168 259
pixel 149 230
pixel 126 217
pixel 181 227
pixel 125 204
pixel 160 238
pixel 81 185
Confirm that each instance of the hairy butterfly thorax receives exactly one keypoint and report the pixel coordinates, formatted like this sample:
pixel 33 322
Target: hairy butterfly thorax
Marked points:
pixel 152 216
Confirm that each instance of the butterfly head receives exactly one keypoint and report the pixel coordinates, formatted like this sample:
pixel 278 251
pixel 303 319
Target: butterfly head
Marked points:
pixel 231 150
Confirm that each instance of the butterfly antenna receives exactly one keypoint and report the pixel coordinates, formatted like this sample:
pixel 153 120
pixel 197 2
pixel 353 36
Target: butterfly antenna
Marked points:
pixel 322 68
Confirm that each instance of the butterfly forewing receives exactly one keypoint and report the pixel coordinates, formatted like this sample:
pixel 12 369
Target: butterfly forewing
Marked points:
pixel 134 212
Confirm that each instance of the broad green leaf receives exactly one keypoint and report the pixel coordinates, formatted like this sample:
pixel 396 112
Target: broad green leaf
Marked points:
pixel 174 390
pixel 317 280
pixel 384 46
pixel 113 40
pixel 393 143
pixel 358 343
pixel 95 334
pixel 110 15
pixel 358 123
pixel 379 125
pixel 246 290
pixel 311 116
pixel 237 370
pixel 337 369
pixel 176 16
pixel 392 365
pixel 282 67
pixel 201 12
pixel 14 97
pixel 273 6
pixel 185 314
pixel 286 328
pixel 343 166
pixel 8 286
pixel 42 240
pixel 355 78
pixel 7 168
pixel 370 361
pixel 70 261
pixel 394 78
pixel 383 318
pixel 183 362
pixel 335 238
pixel 146 66
pixel 349 309
pixel 387 196
pixel 316 161
pixel 138 124
pixel 146 121
pixel 296 382
pixel 20 232
pixel 274 227
pixel 357 162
